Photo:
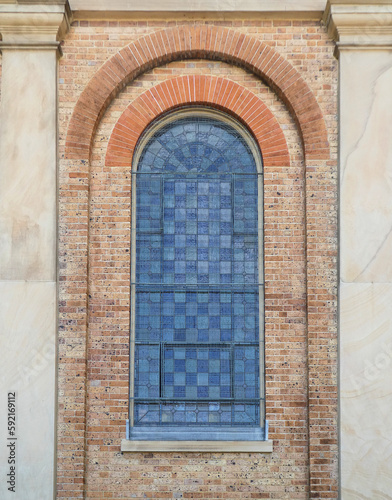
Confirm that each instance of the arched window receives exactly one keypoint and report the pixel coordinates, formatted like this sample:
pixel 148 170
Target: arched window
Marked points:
pixel 197 281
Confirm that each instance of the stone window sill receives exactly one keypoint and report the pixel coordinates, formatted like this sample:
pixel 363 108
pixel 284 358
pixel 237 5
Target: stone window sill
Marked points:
pixel 197 446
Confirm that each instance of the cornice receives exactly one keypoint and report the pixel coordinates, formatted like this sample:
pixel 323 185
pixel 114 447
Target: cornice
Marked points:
pixel 200 6
pixel 28 24
pixel 359 24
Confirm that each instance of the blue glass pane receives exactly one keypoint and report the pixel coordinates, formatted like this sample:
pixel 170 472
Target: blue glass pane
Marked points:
pixel 246 414
pixel 194 316
pixel 245 204
pixel 147 414
pixel 147 366
pixel 148 316
pixel 245 259
pixel 148 258
pixel 198 243
pixel 246 316
pixel 246 372
pixel 197 372
pixel 197 413
pixel 197 145
pixel 148 202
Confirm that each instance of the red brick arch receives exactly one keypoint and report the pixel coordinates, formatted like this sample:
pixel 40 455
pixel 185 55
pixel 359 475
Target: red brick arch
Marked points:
pixel 220 93
pixel 185 42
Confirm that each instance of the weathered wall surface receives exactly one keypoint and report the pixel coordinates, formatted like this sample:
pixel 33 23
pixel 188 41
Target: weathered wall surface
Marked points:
pixel 300 203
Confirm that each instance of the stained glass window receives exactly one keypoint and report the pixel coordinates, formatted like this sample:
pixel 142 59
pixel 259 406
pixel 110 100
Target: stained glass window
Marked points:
pixel 197 286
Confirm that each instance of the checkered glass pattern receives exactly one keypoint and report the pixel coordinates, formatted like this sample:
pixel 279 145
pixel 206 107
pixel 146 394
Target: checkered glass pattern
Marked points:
pixel 197 280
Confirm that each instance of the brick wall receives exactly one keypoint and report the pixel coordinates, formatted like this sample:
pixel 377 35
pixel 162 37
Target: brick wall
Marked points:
pixel 300 273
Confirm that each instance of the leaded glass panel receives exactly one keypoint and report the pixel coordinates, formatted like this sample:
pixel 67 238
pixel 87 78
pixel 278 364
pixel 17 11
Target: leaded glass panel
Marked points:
pixel 196 278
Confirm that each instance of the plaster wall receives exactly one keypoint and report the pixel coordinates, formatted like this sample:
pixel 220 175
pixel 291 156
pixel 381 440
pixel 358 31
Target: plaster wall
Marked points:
pixel 366 273
pixel 28 268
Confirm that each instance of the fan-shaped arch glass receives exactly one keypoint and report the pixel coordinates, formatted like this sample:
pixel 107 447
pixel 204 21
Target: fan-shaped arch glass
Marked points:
pixel 197 278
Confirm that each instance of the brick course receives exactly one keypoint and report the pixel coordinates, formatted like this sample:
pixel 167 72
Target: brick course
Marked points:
pixel 300 260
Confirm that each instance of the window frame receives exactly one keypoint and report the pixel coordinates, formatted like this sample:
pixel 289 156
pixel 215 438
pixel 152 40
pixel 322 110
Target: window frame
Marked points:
pixel 233 440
